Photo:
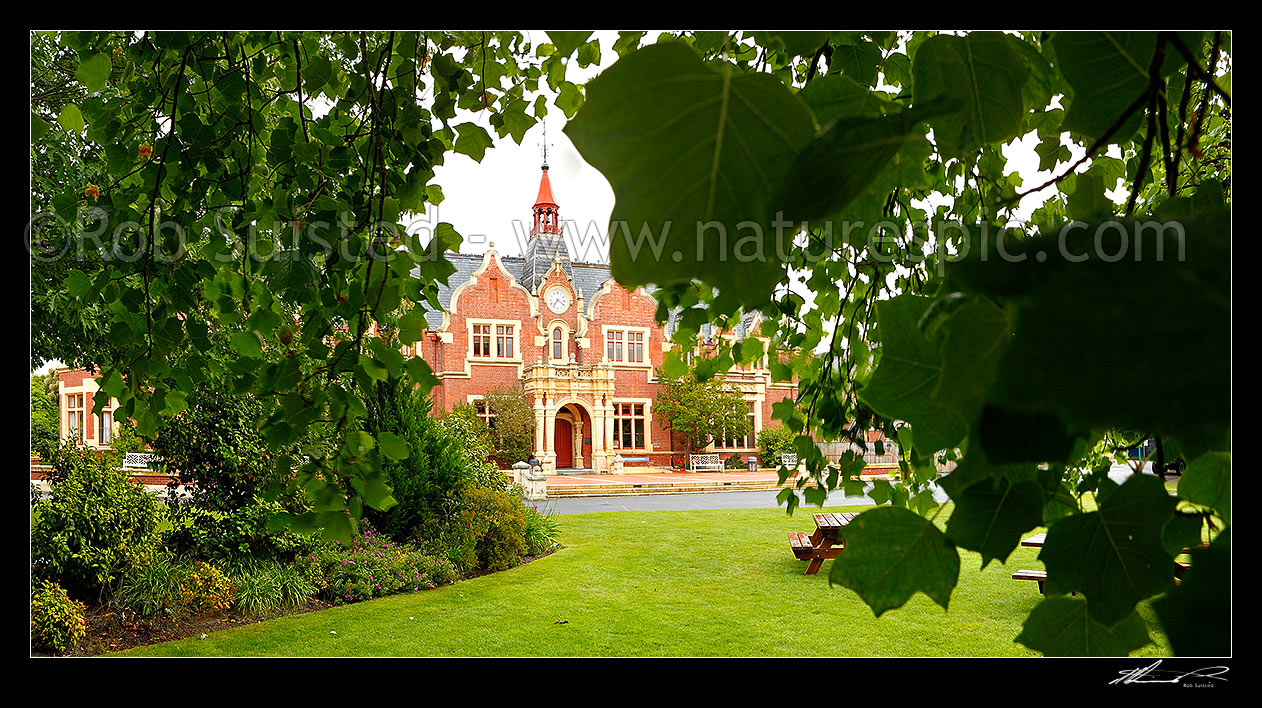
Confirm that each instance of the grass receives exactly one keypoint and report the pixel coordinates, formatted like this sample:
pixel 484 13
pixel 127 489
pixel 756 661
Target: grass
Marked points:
pixel 695 583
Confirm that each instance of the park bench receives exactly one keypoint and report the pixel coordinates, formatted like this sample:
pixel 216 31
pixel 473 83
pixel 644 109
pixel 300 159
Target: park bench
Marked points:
pixel 824 544
pixel 138 460
pixel 789 461
pixel 708 461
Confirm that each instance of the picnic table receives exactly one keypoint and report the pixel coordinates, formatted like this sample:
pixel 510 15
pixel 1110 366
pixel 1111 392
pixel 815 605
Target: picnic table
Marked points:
pixel 825 543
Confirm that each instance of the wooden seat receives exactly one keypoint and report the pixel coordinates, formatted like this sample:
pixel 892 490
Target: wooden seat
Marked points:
pixel 1039 575
pixel 801 545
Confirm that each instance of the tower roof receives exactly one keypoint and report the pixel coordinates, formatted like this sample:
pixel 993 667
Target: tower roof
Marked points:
pixel 545 197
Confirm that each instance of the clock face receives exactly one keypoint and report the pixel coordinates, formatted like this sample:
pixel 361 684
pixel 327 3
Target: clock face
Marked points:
pixel 558 300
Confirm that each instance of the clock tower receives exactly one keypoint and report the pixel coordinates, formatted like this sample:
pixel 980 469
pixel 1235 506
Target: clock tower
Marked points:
pixel 547 242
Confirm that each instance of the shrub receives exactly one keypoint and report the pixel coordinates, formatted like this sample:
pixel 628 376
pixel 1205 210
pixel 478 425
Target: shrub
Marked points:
pixel 96 524
pixel 498 521
pixel 234 536
pixel 152 588
pixel 427 485
pixel 736 462
pixel 774 441
pixel 371 565
pixel 56 621
pixel 206 590
pixel 267 586
pixel 541 531
pixel 216 447
pixel 463 424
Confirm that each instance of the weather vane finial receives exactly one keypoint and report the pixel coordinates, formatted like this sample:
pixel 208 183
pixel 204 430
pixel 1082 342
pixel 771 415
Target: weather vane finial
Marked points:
pixel 545 145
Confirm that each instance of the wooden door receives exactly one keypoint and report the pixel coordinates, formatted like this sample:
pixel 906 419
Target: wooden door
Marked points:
pixel 564 443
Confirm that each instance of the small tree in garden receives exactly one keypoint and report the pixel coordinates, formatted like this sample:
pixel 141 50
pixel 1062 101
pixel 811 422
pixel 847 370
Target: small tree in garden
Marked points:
pixel 512 423
pixel 215 447
pixel 700 411
pixel 428 482
pixel 774 442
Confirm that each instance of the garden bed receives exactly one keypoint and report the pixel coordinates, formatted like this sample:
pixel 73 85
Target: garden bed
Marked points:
pixel 111 630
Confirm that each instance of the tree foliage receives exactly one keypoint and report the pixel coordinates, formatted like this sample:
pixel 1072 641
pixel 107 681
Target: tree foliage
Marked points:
pixel 856 187
pixel 235 213
pixel 700 411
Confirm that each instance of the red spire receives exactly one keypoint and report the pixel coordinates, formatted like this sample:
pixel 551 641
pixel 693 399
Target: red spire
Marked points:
pixel 547 220
pixel 545 191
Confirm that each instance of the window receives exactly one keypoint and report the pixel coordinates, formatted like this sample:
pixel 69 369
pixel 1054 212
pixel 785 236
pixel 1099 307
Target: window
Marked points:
pixel 625 345
pixel 628 426
pixel 104 432
pixel 482 341
pixel 504 341
pixel 635 347
pixel 613 346
pixel 493 340
pixel 74 416
pixel 486 414
pixel 558 344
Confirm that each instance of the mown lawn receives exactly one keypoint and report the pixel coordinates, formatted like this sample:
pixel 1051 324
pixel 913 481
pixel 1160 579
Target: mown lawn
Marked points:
pixel 695 583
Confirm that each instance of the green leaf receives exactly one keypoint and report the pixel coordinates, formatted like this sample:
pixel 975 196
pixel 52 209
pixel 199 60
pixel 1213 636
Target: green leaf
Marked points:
pixel 991 517
pixel 568 41
pixel 1114 555
pixel 1207 481
pixel 833 96
pixel 78 284
pixel 247 344
pixel 909 372
pixel 1080 308
pixel 984 76
pixel 71 119
pixel 569 98
pixel 1088 199
pixel 843 161
pixel 473 140
pixel 316 72
pixel 39 126
pixel 1107 71
pixel 421 373
pixel 974 335
pixel 94 72
pixel 393 446
pixel 694 155
pixel 891 554
pixel 1061 626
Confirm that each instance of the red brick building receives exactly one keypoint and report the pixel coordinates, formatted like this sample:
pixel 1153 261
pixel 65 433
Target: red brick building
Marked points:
pixel 584 349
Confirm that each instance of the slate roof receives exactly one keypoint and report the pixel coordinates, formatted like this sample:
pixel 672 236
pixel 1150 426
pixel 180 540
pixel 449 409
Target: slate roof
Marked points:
pixel 588 279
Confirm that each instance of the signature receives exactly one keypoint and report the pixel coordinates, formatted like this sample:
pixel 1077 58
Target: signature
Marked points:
pixel 1151 674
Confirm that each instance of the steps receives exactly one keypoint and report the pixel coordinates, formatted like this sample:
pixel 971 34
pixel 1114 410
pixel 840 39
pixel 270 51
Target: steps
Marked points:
pixel 627 489
pixel 612 486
